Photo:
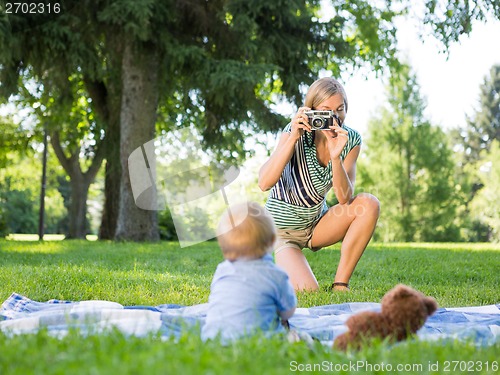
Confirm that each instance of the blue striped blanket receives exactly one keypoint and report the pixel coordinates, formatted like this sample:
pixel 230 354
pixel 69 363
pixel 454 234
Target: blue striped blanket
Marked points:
pixel 21 315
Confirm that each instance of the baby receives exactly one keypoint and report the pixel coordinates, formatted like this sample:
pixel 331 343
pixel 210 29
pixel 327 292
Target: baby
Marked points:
pixel 249 293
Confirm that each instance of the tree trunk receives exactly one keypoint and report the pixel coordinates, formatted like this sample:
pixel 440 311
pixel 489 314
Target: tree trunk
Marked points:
pixel 112 176
pixel 78 207
pixel 112 102
pixel 140 90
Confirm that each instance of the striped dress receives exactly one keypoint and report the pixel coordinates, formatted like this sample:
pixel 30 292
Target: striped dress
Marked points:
pixel 298 199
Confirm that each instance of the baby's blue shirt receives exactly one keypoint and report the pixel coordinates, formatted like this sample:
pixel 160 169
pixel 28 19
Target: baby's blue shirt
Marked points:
pixel 245 297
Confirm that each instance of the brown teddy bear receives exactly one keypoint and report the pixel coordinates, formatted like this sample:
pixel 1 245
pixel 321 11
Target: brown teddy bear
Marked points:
pixel 404 311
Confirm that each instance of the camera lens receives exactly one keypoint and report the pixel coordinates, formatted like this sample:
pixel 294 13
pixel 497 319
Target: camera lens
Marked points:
pixel 317 122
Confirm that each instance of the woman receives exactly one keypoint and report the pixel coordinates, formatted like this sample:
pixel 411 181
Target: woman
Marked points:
pixel 305 165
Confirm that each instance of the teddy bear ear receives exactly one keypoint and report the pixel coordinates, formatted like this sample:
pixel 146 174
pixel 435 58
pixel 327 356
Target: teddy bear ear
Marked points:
pixel 431 305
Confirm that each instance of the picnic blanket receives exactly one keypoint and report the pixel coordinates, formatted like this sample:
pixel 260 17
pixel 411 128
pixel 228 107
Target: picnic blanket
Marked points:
pixel 21 315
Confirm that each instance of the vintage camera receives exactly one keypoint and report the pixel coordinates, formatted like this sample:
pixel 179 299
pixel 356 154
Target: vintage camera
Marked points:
pixel 321 120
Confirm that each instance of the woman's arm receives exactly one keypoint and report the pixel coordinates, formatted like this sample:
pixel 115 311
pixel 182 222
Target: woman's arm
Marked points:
pixel 270 172
pixel 343 171
pixel 344 175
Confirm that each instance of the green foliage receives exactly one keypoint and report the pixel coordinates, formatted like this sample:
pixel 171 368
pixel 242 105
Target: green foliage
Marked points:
pixel 19 211
pixel 451 18
pixel 166 226
pixel 409 167
pixel 138 18
pixel 67 110
pixel 16 208
pixel 13 140
pixel 483 127
pixel 427 191
pixel 484 206
pixel 476 145
pixel 20 195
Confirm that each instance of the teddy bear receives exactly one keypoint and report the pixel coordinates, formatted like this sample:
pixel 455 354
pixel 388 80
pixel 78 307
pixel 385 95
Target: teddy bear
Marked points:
pixel 404 311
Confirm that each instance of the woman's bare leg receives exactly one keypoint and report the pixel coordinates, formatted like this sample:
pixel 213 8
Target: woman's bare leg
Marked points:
pixel 353 223
pixel 293 261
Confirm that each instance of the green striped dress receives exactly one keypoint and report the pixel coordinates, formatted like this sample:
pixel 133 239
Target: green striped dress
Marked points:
pixel 298 200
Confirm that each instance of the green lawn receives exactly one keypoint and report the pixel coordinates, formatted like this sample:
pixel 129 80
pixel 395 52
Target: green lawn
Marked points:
pixel 152 274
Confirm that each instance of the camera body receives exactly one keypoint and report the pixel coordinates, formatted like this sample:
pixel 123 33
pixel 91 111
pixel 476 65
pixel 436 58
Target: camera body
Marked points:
pixel 321 120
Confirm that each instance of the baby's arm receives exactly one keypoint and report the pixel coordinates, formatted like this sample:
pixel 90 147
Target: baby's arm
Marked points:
pixel 288 300
pixel 285 315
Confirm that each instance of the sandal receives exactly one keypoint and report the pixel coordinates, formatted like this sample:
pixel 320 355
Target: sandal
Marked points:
pixel 341 284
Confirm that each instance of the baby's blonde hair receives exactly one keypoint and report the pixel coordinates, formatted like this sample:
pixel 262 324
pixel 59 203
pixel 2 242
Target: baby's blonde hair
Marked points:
pixel 323 89
pixel 246 231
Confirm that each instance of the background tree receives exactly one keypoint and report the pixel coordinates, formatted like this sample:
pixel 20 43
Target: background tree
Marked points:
pixel 20 176
pixel 13 147
pixel 81 155
pixel 474 144
pixel 449 19
pixel 483 127
pixel 484 206
pixel 408 165
pixel 75 136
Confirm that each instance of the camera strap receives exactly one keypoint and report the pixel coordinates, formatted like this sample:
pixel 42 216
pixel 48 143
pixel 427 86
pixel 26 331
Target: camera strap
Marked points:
pixel 311 137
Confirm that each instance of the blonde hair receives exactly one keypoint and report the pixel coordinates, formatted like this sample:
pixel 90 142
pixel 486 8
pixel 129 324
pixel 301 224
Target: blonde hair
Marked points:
pixel 321 90
pixel 246 231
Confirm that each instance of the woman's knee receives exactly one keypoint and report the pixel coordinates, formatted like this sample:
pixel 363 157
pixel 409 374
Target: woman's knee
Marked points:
pixel 368 204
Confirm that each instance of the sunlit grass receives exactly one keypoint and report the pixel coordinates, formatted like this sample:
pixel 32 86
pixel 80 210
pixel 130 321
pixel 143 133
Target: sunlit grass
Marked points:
pixel 46 237
pixel 465 246
pixel 155 273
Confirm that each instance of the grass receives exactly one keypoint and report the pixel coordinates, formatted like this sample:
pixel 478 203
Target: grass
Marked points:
pixel 152 274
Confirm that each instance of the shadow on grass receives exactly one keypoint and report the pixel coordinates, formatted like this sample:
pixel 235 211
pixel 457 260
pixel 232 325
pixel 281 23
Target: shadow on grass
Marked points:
pixel 128 273
pixel 111 255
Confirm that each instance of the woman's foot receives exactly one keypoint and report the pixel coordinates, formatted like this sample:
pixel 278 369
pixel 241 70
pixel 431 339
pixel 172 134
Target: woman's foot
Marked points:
pixel 340 286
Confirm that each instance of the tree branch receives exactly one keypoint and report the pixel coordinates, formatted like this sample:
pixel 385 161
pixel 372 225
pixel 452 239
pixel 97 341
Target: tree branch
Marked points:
pixel 96 162
pixel 65 162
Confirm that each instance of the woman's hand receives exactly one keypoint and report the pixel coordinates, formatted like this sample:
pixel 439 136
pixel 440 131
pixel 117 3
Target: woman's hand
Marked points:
pixel 300 123
pixel 336 139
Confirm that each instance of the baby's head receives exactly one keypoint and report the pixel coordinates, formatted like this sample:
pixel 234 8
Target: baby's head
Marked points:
pixel 246 231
